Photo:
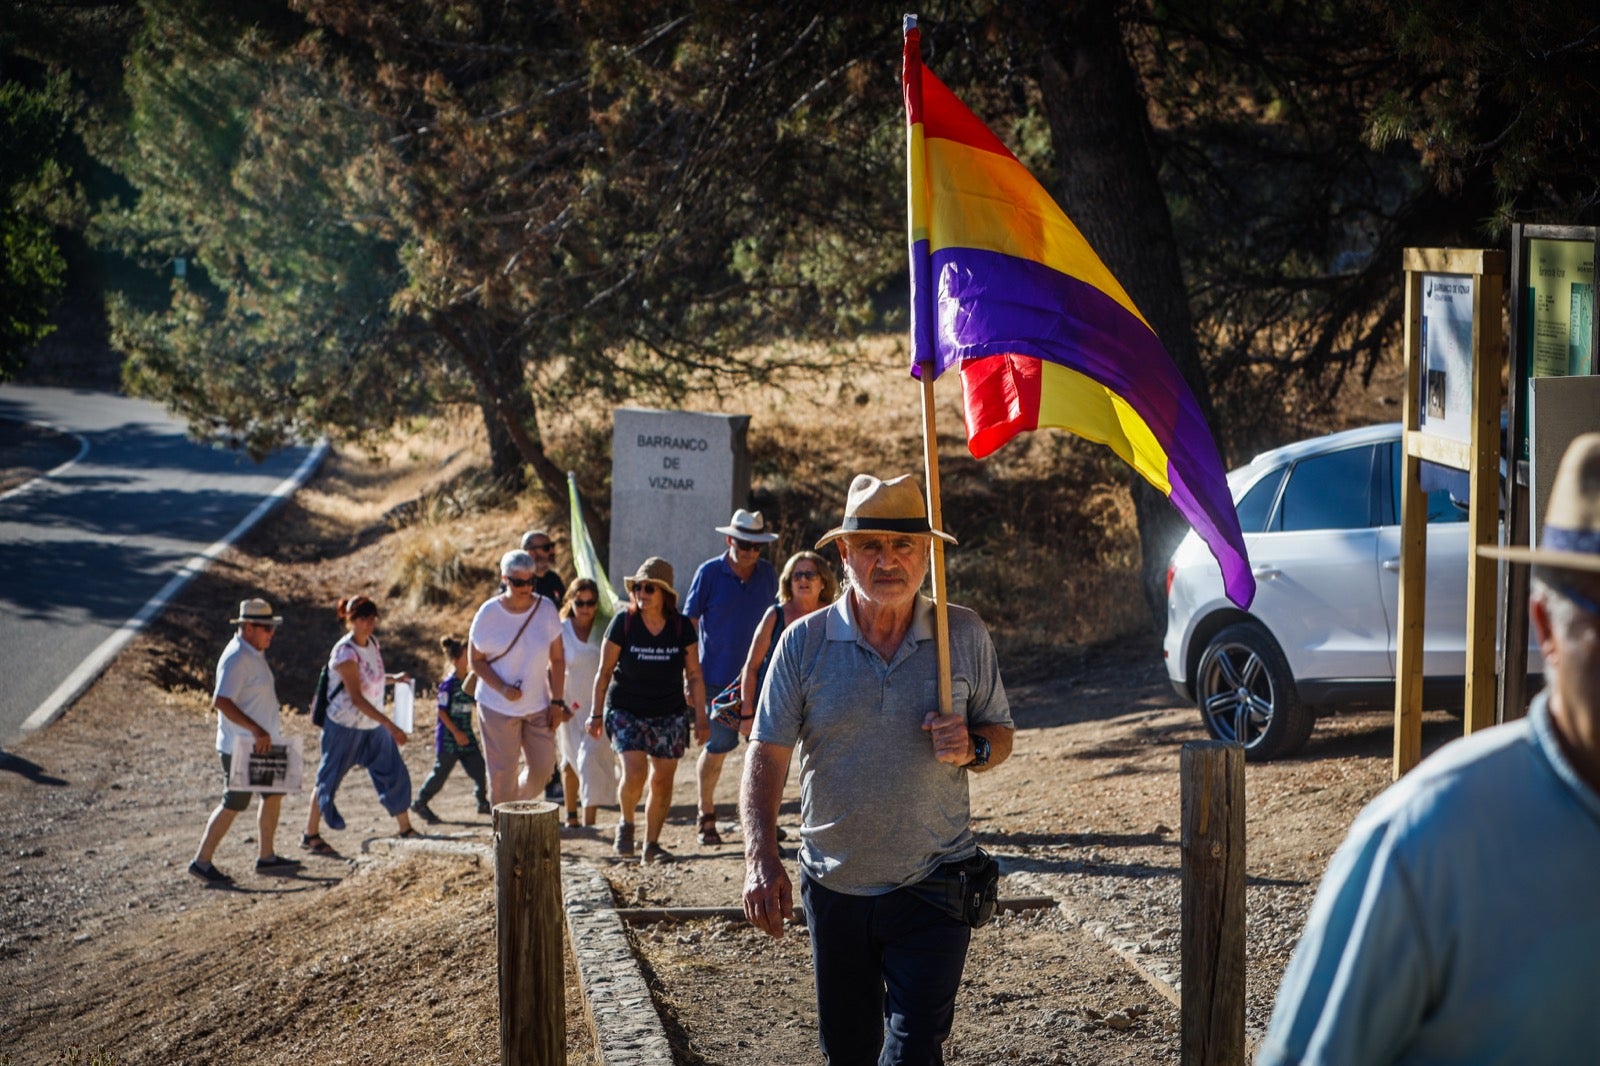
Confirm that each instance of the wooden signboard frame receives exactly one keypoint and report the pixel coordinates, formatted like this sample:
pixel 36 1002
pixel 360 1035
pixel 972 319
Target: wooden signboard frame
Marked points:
pixel 1481 459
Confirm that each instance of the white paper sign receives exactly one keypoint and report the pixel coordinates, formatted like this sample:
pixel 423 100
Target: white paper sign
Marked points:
pixel 281 769
pixel 404 696
pixel 1447 355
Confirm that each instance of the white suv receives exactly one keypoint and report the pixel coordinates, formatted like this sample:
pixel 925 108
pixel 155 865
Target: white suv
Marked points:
pixel 1321 522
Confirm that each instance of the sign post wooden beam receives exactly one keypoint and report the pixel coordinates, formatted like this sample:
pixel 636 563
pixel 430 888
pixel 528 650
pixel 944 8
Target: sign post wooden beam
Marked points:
pixel 1480 457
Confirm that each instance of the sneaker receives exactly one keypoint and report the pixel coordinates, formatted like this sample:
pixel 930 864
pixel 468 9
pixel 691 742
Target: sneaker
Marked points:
pixel 654 853
pixel 624 841
pixel 277 864
pixel 484 808
pixel 209 873
pixel 423 811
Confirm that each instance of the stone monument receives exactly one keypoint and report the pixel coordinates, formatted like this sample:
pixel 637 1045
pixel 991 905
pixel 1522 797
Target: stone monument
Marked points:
pixel 675 477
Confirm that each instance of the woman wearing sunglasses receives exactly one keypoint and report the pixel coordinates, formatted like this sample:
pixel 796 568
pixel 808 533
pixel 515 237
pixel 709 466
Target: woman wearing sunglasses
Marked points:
pixel 806 584
pixel 651 655
pixel 521 668
pixel 588 765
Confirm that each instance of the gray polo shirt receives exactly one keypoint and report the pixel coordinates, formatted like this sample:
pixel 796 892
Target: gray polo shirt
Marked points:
pixel 878 810
pixel 244 677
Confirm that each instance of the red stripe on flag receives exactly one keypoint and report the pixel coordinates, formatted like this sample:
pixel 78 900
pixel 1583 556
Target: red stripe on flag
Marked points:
pixel 1002 400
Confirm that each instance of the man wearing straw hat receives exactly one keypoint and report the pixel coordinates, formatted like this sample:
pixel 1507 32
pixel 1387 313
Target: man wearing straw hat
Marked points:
pixel 883 784
pixel 728 598
pixel 1460 920
pixel 246 699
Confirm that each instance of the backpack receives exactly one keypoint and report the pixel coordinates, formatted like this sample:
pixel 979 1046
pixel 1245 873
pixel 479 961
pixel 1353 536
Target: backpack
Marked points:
pixel 323 697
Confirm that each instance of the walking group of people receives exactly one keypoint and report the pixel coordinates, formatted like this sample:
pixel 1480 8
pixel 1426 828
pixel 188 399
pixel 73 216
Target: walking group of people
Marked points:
pixel 1456 924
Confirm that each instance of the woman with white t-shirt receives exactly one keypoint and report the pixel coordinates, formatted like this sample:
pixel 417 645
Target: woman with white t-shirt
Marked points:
pixel 521 668
pixel 357 732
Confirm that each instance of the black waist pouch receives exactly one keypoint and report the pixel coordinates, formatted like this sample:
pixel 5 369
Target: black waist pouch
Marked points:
pixel 967 890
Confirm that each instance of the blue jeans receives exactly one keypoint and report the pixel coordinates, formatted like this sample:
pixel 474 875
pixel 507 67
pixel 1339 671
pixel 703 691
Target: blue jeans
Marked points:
pixel 887 969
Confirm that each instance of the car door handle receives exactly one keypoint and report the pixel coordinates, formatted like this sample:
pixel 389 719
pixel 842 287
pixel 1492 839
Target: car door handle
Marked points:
pixel 1265 572
pixel 1392 565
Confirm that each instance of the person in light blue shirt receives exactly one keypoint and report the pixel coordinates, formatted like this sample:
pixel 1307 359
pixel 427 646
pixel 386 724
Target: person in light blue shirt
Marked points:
pixel 1459 922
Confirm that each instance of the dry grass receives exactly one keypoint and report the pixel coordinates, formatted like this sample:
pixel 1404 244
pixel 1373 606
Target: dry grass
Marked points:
pixel 1049 551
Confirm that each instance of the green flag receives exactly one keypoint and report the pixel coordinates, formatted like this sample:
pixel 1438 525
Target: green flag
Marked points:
pixel 584 559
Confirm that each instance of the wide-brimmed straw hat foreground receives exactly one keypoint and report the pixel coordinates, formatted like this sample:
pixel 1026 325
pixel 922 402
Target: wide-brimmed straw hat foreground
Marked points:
pixel 654 569
pixel 258 611
pixel 1571 535
pixel 893 506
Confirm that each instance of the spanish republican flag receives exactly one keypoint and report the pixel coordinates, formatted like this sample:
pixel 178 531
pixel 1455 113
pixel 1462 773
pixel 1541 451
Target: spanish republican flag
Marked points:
pixel 1003 284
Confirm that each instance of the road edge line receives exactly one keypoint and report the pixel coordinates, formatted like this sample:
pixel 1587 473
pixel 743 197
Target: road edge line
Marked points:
pixel 83 449
pixel 92 667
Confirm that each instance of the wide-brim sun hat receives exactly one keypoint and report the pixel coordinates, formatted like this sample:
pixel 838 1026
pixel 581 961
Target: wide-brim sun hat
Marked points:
pixel 748 525
pixel 258 611
pixel 655 570
pixel 1570 538
pixel 893 506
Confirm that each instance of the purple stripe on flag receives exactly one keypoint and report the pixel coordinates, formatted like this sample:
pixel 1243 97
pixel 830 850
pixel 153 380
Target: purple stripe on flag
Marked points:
pixel 992 304
pixel 923 314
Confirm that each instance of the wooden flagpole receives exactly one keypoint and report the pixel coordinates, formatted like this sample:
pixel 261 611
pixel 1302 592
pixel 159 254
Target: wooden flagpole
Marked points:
pixel 930 439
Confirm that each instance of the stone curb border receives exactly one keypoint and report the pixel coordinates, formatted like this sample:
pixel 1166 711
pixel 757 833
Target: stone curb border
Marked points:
pixel 616 999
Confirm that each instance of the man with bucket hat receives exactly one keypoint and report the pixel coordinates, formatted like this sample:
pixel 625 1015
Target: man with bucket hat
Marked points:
pixel 883 784
pixel 1460 920
pixel 727 599
pixel 246 699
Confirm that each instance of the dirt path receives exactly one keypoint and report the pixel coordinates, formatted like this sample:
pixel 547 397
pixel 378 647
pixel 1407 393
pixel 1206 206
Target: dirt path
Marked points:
pixel 387 955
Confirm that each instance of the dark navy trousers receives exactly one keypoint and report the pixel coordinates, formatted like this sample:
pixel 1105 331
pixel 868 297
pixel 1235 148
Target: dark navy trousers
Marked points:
pixel 887 969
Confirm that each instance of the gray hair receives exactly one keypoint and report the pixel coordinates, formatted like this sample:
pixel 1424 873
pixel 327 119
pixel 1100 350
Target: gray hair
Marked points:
pixel 527 538
pixel 1547 584
pixel 515 560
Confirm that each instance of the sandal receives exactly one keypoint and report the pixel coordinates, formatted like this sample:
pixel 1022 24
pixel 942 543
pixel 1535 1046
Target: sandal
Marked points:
pixel 708 831
pixel 314 843
pixel 408 832
pixel 572 820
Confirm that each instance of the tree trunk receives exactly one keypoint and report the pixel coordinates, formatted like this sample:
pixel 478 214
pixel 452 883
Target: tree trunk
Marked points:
pixel 510 414
pixel 1107 185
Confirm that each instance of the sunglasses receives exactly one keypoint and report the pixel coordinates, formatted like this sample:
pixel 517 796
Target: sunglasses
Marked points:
pixel 585 603
pixel 804 575
pixel 520 582
pixel 542 547
pixel 644 587
pixel 746 545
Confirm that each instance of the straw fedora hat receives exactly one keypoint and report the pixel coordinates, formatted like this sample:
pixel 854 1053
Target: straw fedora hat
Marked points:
pixel 257 611
pixel 1571 535
pixel 748 525
pixel 893 506
pixel 654 569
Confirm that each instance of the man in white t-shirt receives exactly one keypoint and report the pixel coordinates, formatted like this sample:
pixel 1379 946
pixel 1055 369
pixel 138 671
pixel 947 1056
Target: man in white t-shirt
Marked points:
pixel 246 699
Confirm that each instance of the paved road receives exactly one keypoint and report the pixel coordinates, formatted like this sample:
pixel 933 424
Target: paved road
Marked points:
pixel 85 549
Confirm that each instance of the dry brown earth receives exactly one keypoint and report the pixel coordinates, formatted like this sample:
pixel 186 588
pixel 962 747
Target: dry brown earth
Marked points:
pixel 108 949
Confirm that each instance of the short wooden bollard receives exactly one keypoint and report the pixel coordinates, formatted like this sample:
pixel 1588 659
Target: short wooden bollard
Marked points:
pixel 1212 780
pixel 527 881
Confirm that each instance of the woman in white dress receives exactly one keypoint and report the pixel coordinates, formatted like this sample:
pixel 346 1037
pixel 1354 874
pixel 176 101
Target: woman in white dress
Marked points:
pixel 588 765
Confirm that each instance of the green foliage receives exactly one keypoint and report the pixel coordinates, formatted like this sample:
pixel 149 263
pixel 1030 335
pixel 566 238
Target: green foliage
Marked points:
pixel 280 327
pixel 1500 96
pixel 35 195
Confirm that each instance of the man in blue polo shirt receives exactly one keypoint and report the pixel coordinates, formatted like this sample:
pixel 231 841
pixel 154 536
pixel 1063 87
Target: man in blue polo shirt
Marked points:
pixel 727 600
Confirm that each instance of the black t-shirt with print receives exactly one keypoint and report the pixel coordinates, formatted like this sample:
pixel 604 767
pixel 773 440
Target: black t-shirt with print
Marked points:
pixel 648 681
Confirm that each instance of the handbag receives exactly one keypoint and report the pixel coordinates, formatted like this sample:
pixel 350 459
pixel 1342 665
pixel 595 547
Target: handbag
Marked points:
pixel 725 705
pixel 968 890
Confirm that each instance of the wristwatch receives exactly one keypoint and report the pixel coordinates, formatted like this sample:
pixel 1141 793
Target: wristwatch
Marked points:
pixel 980 751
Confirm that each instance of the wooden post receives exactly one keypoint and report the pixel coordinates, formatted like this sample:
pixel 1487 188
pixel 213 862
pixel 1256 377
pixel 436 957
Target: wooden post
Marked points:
pixel 1212 782
pixel 1413 547
pixel 527 851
